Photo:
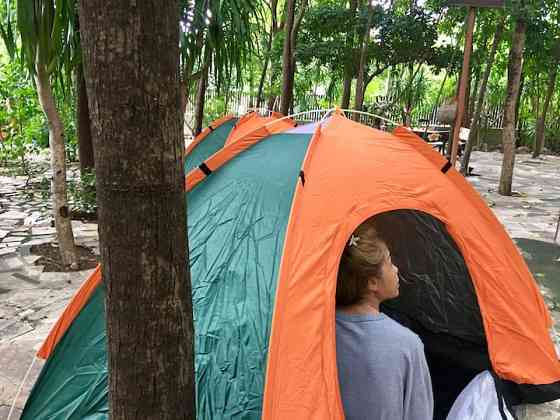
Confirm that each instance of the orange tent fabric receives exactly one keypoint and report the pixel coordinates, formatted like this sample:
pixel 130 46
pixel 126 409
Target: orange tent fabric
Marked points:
pixel 387 172
pixel 70 313
pixel 384 169
pixel 252 121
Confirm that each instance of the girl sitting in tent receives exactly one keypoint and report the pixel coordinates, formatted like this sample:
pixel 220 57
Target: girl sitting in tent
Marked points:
pixel 382 368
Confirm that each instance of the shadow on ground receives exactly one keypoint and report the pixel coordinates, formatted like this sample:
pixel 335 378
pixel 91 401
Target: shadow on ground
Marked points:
pixel 543 259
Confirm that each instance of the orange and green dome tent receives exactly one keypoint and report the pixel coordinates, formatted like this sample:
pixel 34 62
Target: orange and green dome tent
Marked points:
pixel 269 214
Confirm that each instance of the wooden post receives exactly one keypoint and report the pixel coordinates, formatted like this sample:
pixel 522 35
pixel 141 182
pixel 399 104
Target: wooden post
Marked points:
pixel 463 83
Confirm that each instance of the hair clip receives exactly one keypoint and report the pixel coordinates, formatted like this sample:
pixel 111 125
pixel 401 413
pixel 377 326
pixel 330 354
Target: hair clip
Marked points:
pixel 354 241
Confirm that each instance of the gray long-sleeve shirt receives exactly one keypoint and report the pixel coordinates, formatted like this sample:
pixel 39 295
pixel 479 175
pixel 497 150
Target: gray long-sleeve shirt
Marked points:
pixel 382 369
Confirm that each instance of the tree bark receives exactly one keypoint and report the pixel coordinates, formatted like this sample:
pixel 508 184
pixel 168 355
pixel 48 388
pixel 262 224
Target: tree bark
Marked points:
pixel 85 144
pixel 201 92
pixel 359 99
pixel 518 126
pixel 287 56
pixel 61 211
pixel 347 86
pixel 472 101
pixel 475 124
pixel 515 67
pixel 465 123
pixel 539 136
pixel 131 56
pixel 473 91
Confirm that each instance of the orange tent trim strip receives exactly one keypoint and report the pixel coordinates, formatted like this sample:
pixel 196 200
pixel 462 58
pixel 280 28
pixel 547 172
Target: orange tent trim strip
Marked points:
pixel 70 313
pixel 215 124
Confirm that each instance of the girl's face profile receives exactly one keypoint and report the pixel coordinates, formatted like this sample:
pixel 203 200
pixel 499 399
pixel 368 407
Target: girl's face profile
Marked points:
pixel 387 285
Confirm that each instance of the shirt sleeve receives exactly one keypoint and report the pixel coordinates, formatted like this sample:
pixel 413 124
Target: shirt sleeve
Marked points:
pixel 418 397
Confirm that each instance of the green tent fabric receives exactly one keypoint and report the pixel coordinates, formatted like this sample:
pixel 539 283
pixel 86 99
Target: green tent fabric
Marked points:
pixel 213 142
pixel 236 234
pixel 237 220
pixel 73 383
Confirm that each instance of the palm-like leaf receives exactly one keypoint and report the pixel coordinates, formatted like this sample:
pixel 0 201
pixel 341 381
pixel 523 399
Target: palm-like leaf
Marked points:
pixel 46 31
pixel 230 35
pixel 6 29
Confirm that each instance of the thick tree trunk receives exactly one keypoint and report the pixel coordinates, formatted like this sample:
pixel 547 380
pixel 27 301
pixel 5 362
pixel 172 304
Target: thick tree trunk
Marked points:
pixel 475 123
pixel 360 79
pixel 201 92
pixel 61 211
pixel 287 56
pixel 515 67
pixel 131 65
pixel 539 136
pixel 85 144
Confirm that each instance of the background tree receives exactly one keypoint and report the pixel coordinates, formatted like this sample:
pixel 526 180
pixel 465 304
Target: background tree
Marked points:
pixel 131 57
pixel 396 36
pixel 217 40
pixel 267 49
pixel 83 123
pixel 291 30
pixel 475 122
pixel 360 82
pixel 541 119
pixel 512 92
pixel 46 31
pixel 349 55
pixel 409 67
pixel 542 60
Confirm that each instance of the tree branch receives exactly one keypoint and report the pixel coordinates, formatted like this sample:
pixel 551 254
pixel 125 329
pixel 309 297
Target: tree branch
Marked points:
pixel 376 73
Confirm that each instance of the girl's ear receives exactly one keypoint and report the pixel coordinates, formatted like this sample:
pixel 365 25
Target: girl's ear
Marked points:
pixel 373 284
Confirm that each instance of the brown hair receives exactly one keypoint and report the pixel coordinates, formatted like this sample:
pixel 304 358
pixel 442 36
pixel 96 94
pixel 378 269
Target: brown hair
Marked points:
pixel 361 260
